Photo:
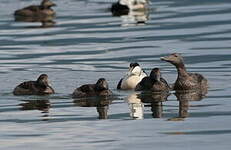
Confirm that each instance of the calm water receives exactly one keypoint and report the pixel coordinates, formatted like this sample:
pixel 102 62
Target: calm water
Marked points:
pixel 87 43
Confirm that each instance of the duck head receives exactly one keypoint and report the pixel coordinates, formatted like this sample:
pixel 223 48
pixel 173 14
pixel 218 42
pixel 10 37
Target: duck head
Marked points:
pixel 47 4
pixel 155 74
pixel 43 80
pixel 135 69
pixel 175 59
pixel 101 84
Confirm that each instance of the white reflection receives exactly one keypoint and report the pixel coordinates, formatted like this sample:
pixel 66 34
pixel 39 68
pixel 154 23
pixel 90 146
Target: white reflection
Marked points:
pixel 136 107
pixel 134 18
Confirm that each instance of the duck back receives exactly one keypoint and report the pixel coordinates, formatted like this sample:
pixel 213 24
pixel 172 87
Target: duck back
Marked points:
pixel 32 88
pixel 193 81
pixel 88 90
pixel 34 11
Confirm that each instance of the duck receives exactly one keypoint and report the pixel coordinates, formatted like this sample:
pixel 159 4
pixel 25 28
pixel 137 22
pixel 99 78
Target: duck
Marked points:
pixel 42 10
pixel 134 75
pixel 154 82
pixel 185 80
pixel 38 87
pixel 100 88
pixel 122 7
pixel 118 9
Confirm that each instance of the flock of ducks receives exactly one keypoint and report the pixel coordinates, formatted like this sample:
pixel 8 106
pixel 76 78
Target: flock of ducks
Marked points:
pixel 134 79
pixel 45 8
pixel 45 14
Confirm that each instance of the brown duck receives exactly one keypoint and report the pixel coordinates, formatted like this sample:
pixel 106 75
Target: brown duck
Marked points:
pixel 185 80
pixel 42 10
pixel 88 90
pixel 154 82
pixel 38 87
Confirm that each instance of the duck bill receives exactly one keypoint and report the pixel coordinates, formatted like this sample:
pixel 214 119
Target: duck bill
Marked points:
pixel 164 59
pixel 130 70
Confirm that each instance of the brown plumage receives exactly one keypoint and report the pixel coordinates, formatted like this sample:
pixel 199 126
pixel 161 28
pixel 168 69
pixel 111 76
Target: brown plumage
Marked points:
pixel 42 10
pixel 185 80
pixel 154 82
pixel 38 87
pixel 88 90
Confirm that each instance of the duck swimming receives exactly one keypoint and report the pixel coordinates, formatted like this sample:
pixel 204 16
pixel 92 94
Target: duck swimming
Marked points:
pixel 122 7
pixel 42 10
pixel 132 78
pixel 154 82
pixel 185 80
pixel 88 90
pixel 38 87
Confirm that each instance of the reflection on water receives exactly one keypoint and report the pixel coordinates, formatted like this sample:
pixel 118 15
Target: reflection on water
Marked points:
pixel 101 103
pixel 184 97
pixel 42 105
pixel 135 18
pixel 203 132
pixel 156 101
pixel 136 106
pixel 47 21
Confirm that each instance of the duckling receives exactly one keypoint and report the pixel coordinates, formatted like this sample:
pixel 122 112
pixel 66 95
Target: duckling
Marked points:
pixel 88 90
pixel 185 80
pixel 38 87
pixel 154 82
pixel 132 78
pixel 42 10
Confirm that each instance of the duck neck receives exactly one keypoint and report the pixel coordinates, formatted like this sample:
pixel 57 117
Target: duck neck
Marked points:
pixel 181 70
pixel 155 78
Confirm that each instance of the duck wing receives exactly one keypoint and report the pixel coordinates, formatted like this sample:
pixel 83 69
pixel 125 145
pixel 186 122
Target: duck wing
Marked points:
pixel 84 91
pixel 87 88
pixel 25 88
pixel 32 8
pixel 200 79
pixel 27 85
pixel 144 84
pixel 197 76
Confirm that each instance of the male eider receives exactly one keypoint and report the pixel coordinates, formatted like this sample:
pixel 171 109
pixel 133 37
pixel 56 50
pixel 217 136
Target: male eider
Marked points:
pixel 154 82
pixel 185 80
pixel 38 87
pixel 132 78
pixel 122 7
pixel 42 10
pixel 88 90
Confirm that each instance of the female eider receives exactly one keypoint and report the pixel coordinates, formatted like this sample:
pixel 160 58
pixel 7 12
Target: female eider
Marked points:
pixel 88 90
pixel 132 78
pixel 185 80
pixel 42 10
pixel 122 7
pixel 38 87
pixel 154 82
